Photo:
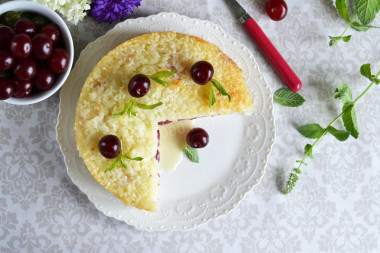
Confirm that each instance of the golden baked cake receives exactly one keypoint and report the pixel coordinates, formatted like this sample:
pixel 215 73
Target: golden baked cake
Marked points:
pixel 105 93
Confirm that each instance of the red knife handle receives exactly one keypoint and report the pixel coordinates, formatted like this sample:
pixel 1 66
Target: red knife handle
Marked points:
pixel 273 56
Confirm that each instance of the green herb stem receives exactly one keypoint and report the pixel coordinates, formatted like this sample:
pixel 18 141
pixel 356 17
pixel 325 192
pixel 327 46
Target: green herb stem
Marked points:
pixel 365 91
pixel 345 30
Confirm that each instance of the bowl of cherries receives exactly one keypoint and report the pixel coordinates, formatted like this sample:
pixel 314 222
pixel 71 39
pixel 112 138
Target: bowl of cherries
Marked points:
pixel 36 52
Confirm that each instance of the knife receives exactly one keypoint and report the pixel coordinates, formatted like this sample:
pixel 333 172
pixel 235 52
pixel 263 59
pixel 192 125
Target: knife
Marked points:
pixel 266 47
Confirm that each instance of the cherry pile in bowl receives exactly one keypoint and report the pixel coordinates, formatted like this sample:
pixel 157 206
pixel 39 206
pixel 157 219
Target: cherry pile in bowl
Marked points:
pixel 32 54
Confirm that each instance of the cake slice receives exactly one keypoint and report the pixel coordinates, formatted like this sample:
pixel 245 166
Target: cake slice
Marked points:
pixel 105 93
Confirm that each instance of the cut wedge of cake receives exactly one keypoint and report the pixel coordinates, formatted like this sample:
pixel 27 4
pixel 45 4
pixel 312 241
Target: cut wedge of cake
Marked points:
pixel 105 93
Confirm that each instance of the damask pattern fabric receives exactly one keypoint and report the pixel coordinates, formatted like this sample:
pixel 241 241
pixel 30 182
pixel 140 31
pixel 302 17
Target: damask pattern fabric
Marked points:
pixel 334 208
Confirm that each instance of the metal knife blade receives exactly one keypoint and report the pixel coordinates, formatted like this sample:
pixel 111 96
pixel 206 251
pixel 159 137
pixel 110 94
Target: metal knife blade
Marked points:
pixel 238 11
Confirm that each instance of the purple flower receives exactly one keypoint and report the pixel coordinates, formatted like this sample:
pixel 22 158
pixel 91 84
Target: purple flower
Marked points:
pixel 109 10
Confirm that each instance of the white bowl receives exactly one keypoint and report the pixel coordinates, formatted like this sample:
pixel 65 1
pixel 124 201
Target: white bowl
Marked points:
pixel 66 35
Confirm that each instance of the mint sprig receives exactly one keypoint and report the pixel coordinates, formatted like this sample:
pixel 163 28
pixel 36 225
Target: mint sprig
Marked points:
pixel 120 158
pixel 348 115
pixel 191 153
pixel 220 89
pixel 365 11
pixel 289 98
pixel 159 76
pixel 130 108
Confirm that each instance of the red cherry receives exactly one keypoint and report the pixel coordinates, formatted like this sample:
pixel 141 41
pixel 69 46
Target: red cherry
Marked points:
pixel 25 26
pixel 6 60
pixel 25 69
pixel 139 85
pixel 6 88
pixel 197 138
pixel 44 78
pixel 21 46
pixel 202 72
pixel 58 61
pixel 110 146
pixel 22 88
pixel 42 46
pixel 276 9
pixel 52 31
pixel 6 35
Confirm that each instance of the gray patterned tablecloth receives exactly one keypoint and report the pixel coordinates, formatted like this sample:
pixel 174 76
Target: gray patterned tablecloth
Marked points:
pixel 334 208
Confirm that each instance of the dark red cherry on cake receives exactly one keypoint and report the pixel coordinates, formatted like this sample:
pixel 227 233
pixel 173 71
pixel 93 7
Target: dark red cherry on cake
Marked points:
pixel 110 146
pixel 44 78
pixel 202 72
pixel 25 26
pixel 6 35
pixel 52 31
pixel 58 60
pixel 139 85
pixel 197 138
pixel 25 69
pixel 6 60
pixel 22 88
pixel 21 46
pixel 6 88
pixel 42 46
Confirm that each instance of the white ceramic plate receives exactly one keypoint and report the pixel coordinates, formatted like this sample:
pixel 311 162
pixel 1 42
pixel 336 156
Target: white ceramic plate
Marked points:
pixel 232 164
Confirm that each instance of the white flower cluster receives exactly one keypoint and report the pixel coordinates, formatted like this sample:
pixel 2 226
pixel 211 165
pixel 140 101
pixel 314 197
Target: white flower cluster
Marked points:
pixel 73 10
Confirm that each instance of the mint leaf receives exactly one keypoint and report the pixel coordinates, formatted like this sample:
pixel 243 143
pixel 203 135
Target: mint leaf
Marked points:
pixel 346 38
pixel 349 120
pixel 366 10
pixel 123 163
pixel 163 74
pixel 191 153
pixel 134 159
pixel 333 43
pixel 159 81
pixel 361 28
pixel 334 40
pixel 335 37
pixel 132 110
pixel 312 131
pixel 148 107
pixel 211 96
pixel 342 9
pixel 125 110
pixel 160 75
pixel 289 98
pixel 343 92
pixel 220 88
pixel 365 70
pixel 309 151
pixel 120 159
pixel 341 135
pixel 113 165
